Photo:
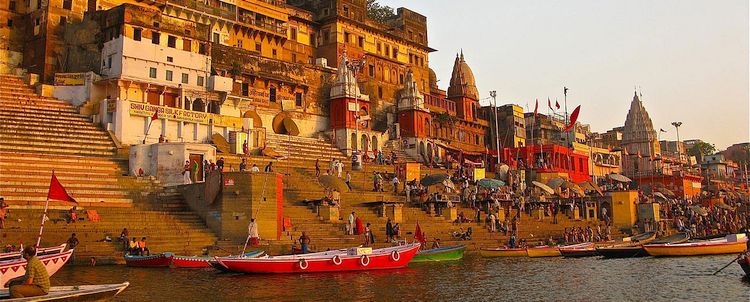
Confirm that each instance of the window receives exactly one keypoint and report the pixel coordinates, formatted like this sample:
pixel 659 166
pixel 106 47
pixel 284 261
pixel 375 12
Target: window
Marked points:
pixel 187 44
pixel 379 46
pixel 155 37
pixel 361 42
pixel 298 99
pixel 294 58
pixel 371 68
pixel 137 32
pixel 293 33
pixel 170 59
pixel 258 47
pixel 169 75
pixel 325 36
pixel 10 23
pixel 172 41
pixel 200 81
pixel 313 40
pixel 273 52
pixel 245 89
pixel 387 50
pixel 109 61
pixel 185 78
pixel 380 92
pixel 395 52
pixel 411 59
pixel 203 48
pixel 217 37
pixel 152 73
pixel 12 5
pixel 68 4
pixel 272 94
pixel 346 10
pixel 346 37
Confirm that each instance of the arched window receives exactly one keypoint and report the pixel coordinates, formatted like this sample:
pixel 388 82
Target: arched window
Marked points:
pixel 199 106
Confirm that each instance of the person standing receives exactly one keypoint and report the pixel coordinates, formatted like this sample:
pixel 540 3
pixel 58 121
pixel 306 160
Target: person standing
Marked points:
pixel 243 165
pixel 220 164
pixel 245 148
pixel 186 173
pixel 304 242
pixel 252 232
pixel 269 167
pixel 349 180
pixel 339 168
pixel 492 223
pixel 350 228
pixel 36 280
pixel 72 244
pixel 388 231
pixel 395 183
pixel 254 169
pixel 317 168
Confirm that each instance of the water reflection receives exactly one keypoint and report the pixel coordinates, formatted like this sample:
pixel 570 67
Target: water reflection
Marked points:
pixel 473 279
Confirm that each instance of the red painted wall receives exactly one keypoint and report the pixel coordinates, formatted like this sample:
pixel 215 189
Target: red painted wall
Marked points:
pixel 412 123
pixel 341 117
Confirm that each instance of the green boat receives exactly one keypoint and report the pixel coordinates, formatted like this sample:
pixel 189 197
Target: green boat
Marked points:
pixel 449 253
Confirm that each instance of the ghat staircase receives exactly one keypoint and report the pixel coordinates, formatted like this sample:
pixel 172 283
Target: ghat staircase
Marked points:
pixel 298 168
pixel 39 135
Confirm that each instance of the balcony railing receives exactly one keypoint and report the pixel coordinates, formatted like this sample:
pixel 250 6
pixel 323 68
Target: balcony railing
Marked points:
pixel 445 104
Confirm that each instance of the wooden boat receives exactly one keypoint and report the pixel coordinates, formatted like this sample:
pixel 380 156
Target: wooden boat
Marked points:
pixel 202 261
pixel 676 238
pixel 39 252
pixel 732 244
pixel 745 265
pixel 503 252
pixel 73 293
pixel 627 249
pixel 586 249
pixel 157 260
pixel 330 261
pixel 543 251
pixel 16 268
pixel 449 253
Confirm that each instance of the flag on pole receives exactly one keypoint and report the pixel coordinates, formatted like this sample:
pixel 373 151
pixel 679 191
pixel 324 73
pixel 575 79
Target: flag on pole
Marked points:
pixel 573 119
pixel 419 235
pixel 662 130
pixel 549 104
pixel 536 108
pixel 155 116
pixel 57 191
pixel 557 105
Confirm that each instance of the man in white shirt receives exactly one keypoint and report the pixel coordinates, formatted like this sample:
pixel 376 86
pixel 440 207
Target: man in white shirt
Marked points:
pixel 350 229
pixel 254 169
pixel 252 232
pixel 395 183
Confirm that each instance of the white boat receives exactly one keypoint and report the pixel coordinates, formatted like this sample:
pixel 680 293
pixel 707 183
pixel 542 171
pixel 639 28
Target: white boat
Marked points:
pixel 17 268
pixel 39 252
pixel 73 293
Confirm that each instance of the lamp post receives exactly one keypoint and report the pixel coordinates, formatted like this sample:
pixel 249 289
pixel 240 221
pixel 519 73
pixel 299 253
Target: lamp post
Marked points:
pixel 679 153
pixel 355 66
pixel 493 94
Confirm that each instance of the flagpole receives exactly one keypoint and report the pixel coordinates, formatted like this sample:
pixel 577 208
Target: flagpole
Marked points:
pixel 148 129
pixel 41 228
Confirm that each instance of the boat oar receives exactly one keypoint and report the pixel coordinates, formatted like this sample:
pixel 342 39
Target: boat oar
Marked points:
pixel 728 264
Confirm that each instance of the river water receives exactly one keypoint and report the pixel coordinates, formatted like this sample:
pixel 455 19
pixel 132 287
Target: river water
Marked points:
pixel 472 279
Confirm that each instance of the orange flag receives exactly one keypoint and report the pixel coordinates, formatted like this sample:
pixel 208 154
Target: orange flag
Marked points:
pixel 57 191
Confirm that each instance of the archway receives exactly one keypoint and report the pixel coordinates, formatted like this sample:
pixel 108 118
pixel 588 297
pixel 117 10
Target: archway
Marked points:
pixel 257 122
pixel 365 143
pixel 421 148
pixel 374 143
pixel 198 105
pixel 429 151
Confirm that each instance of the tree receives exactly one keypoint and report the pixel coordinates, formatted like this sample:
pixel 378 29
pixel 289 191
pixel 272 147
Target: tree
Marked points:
pixel 379 13
pixel 700 149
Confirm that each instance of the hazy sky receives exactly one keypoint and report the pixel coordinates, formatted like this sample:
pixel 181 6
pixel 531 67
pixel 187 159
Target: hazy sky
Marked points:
pixel 690 58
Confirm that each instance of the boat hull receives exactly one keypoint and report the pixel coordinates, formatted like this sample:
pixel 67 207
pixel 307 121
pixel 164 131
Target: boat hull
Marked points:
pixel 695 249
pixel 503 252
pixel 546 251
pixel 17 268
pixel 158 260
pixel 203 261
pixel 578 250
pixel 39 252
pixel 745 265
pixel 319 264
pixel 74 293
pixel 621 252
pixel 450 253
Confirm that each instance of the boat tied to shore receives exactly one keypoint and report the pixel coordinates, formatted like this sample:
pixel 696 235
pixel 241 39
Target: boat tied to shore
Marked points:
pixel 101 292
pixel 353 259
pixel 156 260
pixel 448 253
pixel 42 251
pixel 543 251
pixel 204 261
pixel 731 244
pixel 628 248
pixel 503 252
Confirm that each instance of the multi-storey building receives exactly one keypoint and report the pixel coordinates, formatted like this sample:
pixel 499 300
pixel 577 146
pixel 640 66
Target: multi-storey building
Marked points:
pixel 510 125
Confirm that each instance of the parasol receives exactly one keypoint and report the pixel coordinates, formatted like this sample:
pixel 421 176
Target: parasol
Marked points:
pixel 573 187
pixel 658 194
pixel 333 183
pixel 618 177
pixel 448 184
pixel 555 182
pixel 502 172
pixel 544 187
pixel 490 183
pixel 588 185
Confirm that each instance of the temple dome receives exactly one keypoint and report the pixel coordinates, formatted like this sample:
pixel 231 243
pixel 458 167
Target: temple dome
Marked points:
pixel 462 80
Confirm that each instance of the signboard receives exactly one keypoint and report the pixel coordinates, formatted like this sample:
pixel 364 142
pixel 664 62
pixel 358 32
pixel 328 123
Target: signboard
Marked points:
pixel 144 109
pixel 228 182
pixel 111 105
pixel 70 79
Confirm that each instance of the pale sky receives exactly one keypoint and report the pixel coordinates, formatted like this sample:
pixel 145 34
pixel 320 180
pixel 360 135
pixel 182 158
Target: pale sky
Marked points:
pixel 689 57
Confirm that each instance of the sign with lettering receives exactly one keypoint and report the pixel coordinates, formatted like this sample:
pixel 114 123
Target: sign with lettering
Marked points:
pixel 70 79
pixel 145 109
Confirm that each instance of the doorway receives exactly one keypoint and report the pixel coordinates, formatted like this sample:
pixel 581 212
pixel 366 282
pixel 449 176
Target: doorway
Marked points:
pixel 196 175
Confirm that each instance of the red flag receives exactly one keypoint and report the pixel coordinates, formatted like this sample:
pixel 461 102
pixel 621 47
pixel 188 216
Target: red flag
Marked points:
pixel 573 119
pixel 536 108
pixel 57 191
pixel 155 116
pixel 418 235
pixel 557 105
pixel 549 104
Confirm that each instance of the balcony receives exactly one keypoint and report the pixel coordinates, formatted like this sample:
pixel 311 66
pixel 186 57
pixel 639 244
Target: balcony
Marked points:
pixel 438 104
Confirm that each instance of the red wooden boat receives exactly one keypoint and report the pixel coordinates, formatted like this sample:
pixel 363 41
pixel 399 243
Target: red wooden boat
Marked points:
pixel 330 261
pixel 204 261
pixel 158 260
